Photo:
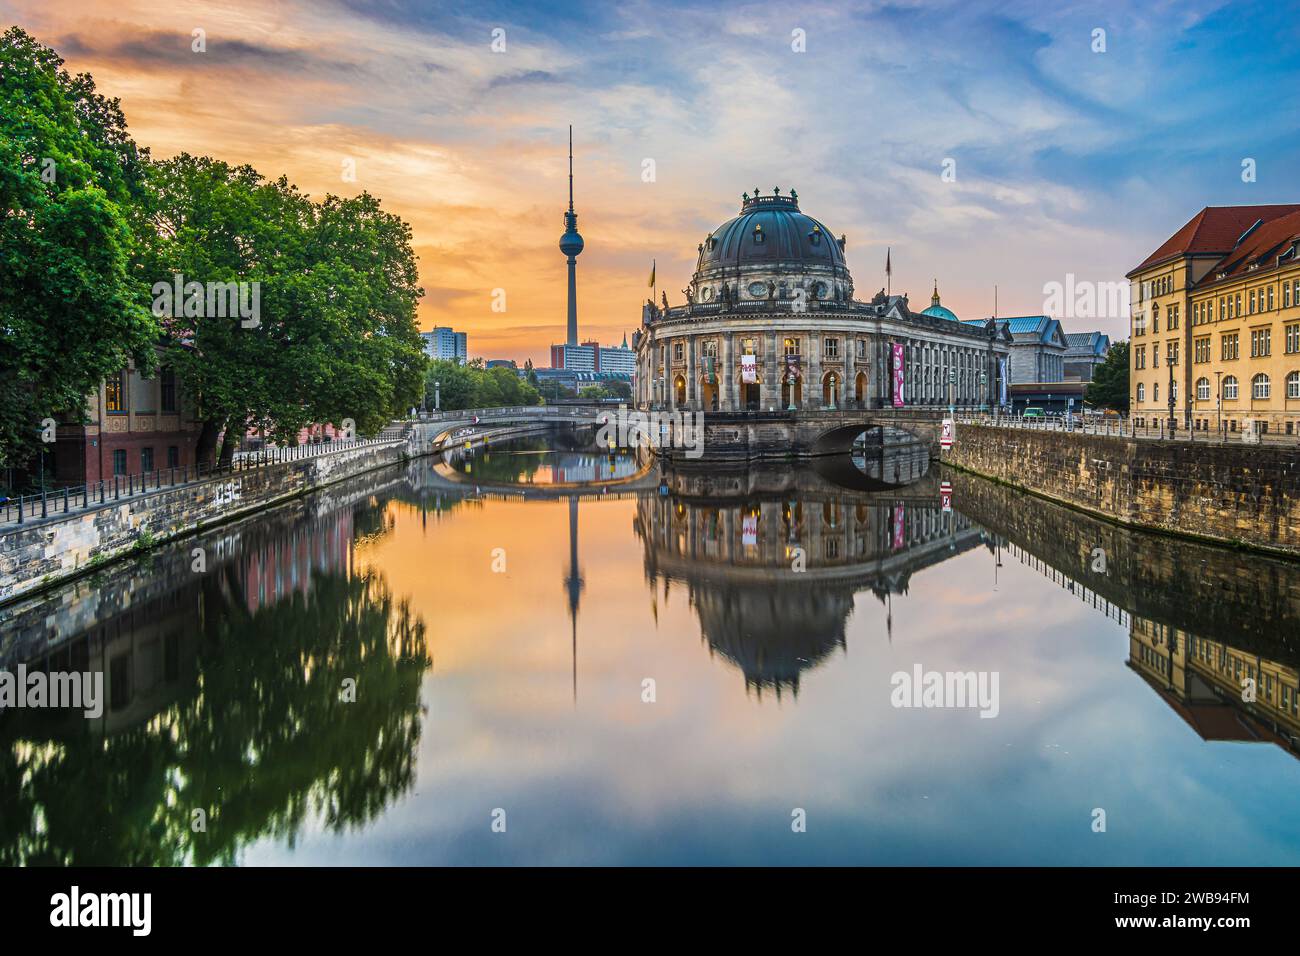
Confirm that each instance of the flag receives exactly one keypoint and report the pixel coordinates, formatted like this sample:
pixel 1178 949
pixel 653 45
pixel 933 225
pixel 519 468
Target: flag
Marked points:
pixel 888 269
pixel 651 283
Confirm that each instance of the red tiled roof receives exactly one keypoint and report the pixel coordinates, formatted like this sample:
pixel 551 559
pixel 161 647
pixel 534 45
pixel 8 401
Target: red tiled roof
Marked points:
pixel 1263 244
pixel 1215 229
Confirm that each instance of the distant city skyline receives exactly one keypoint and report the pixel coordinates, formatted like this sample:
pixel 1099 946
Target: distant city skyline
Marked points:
pixel 1067 161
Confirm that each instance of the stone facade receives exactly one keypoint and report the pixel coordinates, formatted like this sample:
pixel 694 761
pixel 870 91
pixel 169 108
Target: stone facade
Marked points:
pixel 1245 495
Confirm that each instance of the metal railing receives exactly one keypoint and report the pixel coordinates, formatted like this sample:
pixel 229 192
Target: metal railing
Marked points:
pixel 55 502
pixel 1129 426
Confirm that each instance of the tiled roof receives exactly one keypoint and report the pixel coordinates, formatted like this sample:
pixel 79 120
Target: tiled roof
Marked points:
pixel 1215 229
pixel 1263 245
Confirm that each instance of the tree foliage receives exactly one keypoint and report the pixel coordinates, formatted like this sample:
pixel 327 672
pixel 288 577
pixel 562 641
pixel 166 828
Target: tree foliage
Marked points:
pixel 473 386
pixel 1109 387
pixel 71 312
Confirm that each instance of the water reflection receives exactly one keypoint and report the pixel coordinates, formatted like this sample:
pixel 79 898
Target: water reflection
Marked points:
pixel 224 687
pixel 772 558
pixel 226 721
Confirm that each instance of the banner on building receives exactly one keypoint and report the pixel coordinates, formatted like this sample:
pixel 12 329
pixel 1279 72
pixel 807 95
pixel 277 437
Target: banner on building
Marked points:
pixel 1002 373
pixel 900 367
pixel 792 368
pixel 710 371
pixel 900 525
pixel 749 530
pixel 748 369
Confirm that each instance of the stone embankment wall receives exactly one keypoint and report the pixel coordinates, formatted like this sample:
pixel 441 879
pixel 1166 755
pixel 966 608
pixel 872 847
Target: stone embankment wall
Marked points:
pixel 37 555
pixel 1239 494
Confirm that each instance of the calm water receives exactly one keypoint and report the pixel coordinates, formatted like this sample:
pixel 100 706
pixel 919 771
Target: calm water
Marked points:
pixel 501 615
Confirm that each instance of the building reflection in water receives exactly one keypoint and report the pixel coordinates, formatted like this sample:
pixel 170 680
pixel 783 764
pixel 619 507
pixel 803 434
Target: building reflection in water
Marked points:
pixel 1208 628
pixel 772 559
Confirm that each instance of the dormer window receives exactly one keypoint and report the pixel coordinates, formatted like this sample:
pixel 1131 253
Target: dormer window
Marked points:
pixel 758 233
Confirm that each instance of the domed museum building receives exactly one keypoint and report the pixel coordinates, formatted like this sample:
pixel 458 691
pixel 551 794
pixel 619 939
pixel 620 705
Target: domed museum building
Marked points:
pixel 771 324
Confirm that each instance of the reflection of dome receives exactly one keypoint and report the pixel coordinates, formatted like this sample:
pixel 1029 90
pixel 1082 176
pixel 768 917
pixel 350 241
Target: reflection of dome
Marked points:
pixel 773 237
pixel 773 635
pixel 937 310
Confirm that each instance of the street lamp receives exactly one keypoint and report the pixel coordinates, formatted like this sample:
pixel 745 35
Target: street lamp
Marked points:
pixel 1218 402
pixel 437 396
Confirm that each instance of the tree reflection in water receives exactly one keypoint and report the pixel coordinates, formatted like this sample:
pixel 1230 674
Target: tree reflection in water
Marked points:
pixel 259 738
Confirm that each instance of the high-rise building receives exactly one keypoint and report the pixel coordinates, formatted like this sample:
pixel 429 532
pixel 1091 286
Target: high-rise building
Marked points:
pixel 446 343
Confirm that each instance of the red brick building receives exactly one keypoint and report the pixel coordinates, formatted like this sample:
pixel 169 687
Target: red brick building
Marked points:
pixel 134 425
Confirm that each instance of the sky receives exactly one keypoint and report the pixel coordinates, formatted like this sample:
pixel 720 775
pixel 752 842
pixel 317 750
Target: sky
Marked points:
pixel 1062 159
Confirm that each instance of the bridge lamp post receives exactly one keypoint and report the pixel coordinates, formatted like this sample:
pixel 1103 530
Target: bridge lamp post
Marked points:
pixel 437 397
pixel 952 384
pixel 984 390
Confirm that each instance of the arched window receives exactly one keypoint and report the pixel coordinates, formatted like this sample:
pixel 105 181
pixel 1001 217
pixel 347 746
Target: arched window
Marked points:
pixel 1202 389
pixel 1259 386
pixel 1293 385
pixel 1230 388
pixel 1142 392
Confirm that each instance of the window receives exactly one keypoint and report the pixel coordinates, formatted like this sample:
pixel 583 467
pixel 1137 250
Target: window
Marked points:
pixel 709 348
pixel 1270 298
pixel 1171 352
pixel 1261 342
pixel 1202 389
pixel 792 346
pixel 831 348
pixel 1230 388
pixel 1259 386
pixel 173 456
pixel 758 233
pixel 1229 347
pixel 862 348
pixel 1252 302
pixel 1203 349
pixel 1155 317
pixel 747 347
pixel 1142 392
pixel 167 389
pixel 1292 338
pixel 119 461
pixel 146 460
pixel 679 351
pixel 115 395
pixel 1293 385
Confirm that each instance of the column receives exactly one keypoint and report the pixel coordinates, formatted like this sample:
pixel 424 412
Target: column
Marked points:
pixel 692 386
pixel 814 372
pixel 771 396
pixel 850 368
pixel 726 401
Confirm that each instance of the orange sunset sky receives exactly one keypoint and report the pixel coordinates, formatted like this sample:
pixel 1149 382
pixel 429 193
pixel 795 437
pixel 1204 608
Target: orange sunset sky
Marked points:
pixel 1060 165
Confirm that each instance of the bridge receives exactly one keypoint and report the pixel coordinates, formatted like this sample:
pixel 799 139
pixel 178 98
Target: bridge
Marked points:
pixel 743 436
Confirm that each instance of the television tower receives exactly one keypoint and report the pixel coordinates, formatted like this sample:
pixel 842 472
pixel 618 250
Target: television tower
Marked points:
pixel 571 245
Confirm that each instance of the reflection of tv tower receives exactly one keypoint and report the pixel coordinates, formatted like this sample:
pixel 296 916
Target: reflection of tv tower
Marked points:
pixel 574 584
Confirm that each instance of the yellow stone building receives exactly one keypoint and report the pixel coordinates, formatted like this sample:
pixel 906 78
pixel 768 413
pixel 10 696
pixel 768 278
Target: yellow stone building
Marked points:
pixel 1215 323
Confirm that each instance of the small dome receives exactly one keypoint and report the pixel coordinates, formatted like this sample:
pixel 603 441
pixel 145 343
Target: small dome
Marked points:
pixel 938 311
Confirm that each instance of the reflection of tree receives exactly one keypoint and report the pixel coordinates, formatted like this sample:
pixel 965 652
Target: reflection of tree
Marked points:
pixel 260 742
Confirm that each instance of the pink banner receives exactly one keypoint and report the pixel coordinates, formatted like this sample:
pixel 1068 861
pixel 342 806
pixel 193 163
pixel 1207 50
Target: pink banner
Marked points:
pixel 900 536
pixel 898 375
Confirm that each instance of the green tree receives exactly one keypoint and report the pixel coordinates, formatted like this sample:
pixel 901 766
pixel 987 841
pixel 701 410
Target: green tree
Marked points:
pixel 70 311
pixel 1109 387
pixel 335 337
